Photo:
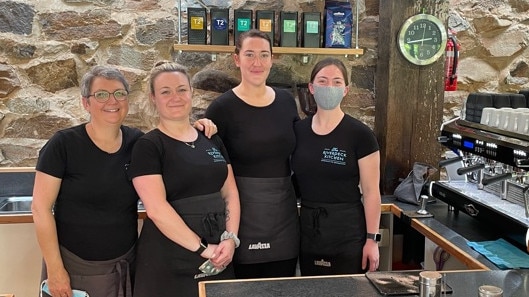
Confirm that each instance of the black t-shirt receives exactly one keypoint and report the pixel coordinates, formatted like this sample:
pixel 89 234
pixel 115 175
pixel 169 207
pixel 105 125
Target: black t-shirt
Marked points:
pixel 259 140
pixel 326 166
pixel 96 208
pixel 186 171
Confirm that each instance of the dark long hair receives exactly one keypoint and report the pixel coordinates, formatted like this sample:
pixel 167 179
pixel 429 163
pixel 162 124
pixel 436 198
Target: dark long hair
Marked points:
pixel 249 34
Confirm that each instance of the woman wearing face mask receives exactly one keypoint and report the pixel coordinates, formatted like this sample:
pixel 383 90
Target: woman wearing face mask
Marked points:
pixel 336 165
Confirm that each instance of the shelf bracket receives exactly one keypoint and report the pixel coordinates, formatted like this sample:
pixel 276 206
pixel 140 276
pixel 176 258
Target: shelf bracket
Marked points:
pixel 179 21
pixel 356 29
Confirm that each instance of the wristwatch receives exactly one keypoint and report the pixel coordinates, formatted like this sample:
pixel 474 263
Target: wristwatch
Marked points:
pixel 230 235
pixel 203 246
pixel 375 236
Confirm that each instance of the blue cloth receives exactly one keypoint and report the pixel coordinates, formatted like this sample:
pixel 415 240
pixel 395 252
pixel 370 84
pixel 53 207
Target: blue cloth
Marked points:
pixel 501 253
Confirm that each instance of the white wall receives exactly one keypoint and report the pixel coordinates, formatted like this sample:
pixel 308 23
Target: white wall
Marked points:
pixel 20 260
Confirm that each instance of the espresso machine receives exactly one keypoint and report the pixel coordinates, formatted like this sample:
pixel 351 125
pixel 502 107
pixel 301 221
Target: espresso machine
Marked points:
pixel 488 177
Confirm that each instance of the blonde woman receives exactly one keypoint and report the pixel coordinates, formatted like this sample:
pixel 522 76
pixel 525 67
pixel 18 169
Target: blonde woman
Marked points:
pixel 187 186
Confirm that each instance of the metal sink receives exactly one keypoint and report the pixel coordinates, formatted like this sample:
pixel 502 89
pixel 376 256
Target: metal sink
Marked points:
pixel 22 204
pixel 19 204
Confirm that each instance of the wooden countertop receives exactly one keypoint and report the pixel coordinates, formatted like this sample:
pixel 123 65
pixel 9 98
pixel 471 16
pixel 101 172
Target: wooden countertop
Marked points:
pixel 16 169
pixel 418 224
pixel 18 218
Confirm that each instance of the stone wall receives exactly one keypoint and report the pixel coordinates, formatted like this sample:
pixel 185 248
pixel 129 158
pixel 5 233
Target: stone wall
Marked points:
pixel 47 45
pixel 494 36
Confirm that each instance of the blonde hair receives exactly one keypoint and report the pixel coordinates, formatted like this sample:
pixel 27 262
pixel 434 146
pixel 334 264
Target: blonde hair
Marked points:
pixel 159 68
pixel 165 66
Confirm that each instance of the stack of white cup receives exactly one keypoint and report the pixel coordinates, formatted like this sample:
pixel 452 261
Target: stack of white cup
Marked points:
pixel 507 119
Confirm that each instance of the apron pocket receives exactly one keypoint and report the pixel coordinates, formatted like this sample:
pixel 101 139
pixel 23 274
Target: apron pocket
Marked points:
pixel 106 285
pixel 329 228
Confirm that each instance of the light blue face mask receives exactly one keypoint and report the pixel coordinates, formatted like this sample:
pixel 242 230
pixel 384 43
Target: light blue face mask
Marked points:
pixel 328 98
pixel 76 293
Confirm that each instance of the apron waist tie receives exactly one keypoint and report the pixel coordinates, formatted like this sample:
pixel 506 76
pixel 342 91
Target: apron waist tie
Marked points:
pixel 210 223
pixel 316 213
pixel 123 270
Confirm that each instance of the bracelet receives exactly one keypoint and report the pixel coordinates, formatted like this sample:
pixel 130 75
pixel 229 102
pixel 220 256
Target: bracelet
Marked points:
pixel 230 235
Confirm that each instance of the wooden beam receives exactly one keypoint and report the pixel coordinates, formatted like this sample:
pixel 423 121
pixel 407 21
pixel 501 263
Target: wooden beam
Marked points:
pixel 409 98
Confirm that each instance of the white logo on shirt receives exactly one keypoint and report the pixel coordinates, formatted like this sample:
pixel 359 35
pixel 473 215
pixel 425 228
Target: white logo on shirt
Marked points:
pixel 201 275
pixel 322 263
pixel 334 156
pixel 259 246
pixel 216 155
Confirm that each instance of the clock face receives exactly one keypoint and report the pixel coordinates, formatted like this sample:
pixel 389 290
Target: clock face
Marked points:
pixel 422 39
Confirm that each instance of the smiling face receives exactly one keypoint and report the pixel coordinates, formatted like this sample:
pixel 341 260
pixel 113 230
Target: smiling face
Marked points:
pixel 172 96
pixel 110 112
pixel 254 60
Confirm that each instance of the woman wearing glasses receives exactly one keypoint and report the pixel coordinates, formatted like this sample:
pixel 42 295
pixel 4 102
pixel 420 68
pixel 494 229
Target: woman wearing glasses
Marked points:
pixel 256 123
pixel 84 205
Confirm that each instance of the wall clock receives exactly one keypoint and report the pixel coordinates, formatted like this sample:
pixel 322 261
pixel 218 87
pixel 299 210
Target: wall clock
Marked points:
pixel 422 39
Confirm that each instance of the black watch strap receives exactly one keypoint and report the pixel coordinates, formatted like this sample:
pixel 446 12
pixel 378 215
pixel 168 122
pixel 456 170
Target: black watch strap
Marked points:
pixel 203 246
pixel 375 236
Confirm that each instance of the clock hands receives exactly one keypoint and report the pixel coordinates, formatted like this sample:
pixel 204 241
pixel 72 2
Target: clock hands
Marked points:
pixel 419 40
pixel 423 32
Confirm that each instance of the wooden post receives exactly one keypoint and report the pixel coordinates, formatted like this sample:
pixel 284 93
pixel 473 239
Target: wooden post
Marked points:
pixel 409 98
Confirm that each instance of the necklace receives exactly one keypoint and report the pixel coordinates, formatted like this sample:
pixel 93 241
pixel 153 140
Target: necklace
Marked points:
pixel 179 136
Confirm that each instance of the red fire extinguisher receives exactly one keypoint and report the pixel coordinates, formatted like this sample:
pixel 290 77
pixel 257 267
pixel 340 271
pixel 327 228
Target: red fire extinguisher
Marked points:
pixel 452 57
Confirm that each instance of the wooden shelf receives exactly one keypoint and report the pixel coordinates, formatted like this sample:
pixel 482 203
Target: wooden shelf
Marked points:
pixel 275 50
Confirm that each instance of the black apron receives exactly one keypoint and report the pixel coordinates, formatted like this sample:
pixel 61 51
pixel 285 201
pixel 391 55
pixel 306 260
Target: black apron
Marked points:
pixel 165 268
pixel 332 238
pixel 110 278
pixel 269 228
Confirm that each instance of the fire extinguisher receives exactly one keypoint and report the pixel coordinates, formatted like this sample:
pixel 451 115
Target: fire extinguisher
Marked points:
pixel 452 57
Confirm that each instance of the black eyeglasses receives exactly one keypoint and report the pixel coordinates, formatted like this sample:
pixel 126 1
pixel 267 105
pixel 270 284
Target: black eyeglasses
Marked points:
pixel 103 96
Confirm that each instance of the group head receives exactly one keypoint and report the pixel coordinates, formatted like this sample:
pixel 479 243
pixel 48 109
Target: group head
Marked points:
pixel 170 90
pixel 105 72
pixel 253 56
pixel 329 83
pixel 104 93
